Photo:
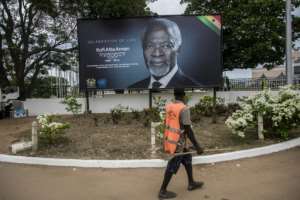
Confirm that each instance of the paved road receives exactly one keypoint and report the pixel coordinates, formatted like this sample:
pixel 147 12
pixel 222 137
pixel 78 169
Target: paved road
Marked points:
pixel 272 177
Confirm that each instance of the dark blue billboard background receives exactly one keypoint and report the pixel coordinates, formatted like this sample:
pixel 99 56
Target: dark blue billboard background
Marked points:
pixel 111 52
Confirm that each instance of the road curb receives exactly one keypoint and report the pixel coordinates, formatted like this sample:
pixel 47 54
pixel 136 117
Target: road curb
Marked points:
pixel 153 163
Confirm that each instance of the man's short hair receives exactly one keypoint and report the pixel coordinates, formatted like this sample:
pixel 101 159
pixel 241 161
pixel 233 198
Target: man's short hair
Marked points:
pixel 169 26
pixel 179 93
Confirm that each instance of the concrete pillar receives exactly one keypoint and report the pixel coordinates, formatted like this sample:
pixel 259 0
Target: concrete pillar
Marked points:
pixel 34 136
pixel 260 127
pixel 154 125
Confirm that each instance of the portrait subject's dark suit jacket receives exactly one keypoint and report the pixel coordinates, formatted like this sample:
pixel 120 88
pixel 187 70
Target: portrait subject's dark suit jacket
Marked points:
pixel 179 80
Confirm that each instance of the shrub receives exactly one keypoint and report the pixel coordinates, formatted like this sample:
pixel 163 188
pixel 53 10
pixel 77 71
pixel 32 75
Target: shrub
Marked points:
pixel 117 113
pixel 72 104
pixel 286 111
pixel 195 114
pixel 232 107
pixel 281 112
pixel 136 114
pixel 221 109
pixel 240 120
pixel 50 131
pixel 205 107
pixel 150 115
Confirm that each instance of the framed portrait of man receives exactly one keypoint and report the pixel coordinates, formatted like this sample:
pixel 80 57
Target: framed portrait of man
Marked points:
pixel 150 52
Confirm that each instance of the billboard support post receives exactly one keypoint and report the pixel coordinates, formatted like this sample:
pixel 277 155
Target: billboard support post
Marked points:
pixel 87 103
pixel 214 116
pixel 150 98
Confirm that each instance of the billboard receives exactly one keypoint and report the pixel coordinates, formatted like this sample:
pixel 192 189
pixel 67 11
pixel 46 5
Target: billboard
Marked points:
pixel 150 52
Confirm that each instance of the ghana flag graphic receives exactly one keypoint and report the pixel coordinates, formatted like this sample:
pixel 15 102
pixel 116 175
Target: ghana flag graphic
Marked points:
pixel 212 22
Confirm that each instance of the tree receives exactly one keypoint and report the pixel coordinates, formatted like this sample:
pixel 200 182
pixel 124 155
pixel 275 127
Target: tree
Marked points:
pixel 36 35
pixel 253 31
pixel 107 8
pixel 3 79
pixel 46 86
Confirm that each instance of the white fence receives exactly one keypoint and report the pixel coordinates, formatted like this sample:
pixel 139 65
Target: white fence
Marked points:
pixel 104 104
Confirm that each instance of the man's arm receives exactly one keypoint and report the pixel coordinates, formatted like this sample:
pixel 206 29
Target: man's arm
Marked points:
pixel 185 119
pixel 190 134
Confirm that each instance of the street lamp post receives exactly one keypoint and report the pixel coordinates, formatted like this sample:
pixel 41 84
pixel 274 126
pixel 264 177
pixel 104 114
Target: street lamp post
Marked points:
pixel 289 66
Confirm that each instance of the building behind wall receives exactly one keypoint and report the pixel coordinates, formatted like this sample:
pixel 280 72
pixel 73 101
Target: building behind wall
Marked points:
pixel 278 72
pixel 297 65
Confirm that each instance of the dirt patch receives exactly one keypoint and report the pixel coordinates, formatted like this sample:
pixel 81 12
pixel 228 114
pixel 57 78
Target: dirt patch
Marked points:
pixel 96 137
pixel 13 130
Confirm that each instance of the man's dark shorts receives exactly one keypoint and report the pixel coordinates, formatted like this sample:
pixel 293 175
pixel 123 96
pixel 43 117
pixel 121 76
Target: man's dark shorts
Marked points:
pixel 174 163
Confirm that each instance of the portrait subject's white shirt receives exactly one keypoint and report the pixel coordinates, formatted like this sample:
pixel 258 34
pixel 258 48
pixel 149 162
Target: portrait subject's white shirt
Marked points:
pixel 164 80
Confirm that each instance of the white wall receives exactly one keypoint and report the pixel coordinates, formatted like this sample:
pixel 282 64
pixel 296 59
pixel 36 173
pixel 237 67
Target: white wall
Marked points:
pixel 46 106
pixel 107 102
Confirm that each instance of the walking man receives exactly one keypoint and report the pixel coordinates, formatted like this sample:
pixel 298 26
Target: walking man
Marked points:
pixel 178 129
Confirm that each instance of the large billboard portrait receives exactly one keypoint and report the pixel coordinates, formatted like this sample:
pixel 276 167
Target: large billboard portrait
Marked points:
pixel 150 52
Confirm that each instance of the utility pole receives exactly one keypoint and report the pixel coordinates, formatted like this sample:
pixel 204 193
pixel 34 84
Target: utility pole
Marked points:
pixel 289 66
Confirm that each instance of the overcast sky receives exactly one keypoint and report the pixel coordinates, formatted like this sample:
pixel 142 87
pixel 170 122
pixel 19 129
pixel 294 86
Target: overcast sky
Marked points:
pixel 167 7
pixel 297 12
pixel 173 7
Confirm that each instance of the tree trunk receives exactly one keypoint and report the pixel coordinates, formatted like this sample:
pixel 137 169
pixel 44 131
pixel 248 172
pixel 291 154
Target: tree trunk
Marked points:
pixel 260 126
pixel 3 78
pixel 22 90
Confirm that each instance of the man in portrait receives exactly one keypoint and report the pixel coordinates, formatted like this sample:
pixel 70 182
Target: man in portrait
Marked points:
pixel 161 42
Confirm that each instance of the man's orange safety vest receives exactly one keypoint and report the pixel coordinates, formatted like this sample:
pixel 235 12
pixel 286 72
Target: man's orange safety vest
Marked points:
pixel 172 130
